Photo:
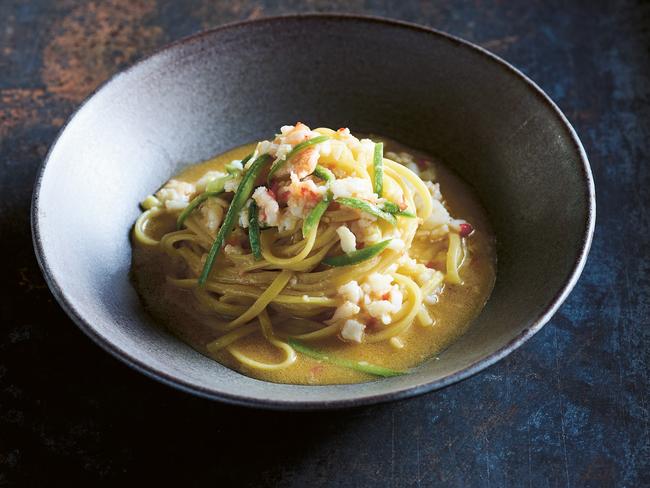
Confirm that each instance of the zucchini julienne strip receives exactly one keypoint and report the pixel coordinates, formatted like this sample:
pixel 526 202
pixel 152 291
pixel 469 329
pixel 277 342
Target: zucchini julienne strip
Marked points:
pixel 314 216
pixel 378 169
pixel 316 213
pixel 368 208
pixel 393 208
pixel 299 147
pixel 220 183
pixel 254 231
pixel 242 194
pixel 361 366
pixel 324 174
pixel 358 256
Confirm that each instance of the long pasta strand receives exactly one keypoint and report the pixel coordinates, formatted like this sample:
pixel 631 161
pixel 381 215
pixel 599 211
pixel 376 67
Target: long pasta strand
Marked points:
pixel 286 285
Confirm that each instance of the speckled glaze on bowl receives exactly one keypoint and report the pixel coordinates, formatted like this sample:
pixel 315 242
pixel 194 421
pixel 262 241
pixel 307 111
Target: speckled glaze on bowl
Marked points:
pixel 238 83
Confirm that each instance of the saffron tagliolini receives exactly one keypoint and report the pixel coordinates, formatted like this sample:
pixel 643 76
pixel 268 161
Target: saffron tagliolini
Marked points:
pixel 315 257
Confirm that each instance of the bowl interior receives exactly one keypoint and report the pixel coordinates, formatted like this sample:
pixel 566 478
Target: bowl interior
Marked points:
pixel 239 83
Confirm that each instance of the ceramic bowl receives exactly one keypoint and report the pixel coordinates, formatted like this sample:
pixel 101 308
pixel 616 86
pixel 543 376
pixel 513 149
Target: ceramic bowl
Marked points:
pixel 238 83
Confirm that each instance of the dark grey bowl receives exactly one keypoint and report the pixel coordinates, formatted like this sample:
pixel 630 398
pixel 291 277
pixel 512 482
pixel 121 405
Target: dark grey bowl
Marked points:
pixel 240 82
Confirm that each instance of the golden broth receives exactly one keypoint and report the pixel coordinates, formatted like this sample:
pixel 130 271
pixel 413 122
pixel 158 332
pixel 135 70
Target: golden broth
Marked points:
pixel 457 305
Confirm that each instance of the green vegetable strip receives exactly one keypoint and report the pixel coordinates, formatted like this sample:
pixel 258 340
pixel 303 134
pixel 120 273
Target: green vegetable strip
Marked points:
pixel 235 171
pixel 358 256
pixel 368 208
pixel 294 151
pixel 313 218
pixel 193 205
pixel 394 209
pixel 324 174
pixel 362 366
pixel 378 167
pixel 254 231
pixel 220 183
pixel 243 193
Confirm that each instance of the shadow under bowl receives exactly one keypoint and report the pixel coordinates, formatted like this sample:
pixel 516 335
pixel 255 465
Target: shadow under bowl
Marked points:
pixel 238 83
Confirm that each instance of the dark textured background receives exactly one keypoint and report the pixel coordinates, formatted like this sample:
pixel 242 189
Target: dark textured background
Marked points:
pixel 570 408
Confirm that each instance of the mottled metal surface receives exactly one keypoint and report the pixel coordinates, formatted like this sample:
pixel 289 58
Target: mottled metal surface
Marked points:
pixel 570 408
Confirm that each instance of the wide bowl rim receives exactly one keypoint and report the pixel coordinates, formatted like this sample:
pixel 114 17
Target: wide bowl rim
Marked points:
pixel 405 392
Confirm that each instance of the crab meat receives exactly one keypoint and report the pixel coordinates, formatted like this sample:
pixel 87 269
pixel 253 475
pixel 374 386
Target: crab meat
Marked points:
pixel 351 291
pixel 390 303
pixel 287 221
pixel 377 284
pixel 347 239
pixel 268 205
pixel 352 330
pixel 282 190
pixel 353 187
pixel 176 194
pixel 303 195
pixel 304 163
pixel 212 215
pixel 294 134
pixel 343 312
pixel 439 216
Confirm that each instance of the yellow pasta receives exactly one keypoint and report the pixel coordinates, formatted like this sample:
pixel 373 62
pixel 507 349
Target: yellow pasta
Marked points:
pixel 454 259
pixel 322 279
pixel 139 229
